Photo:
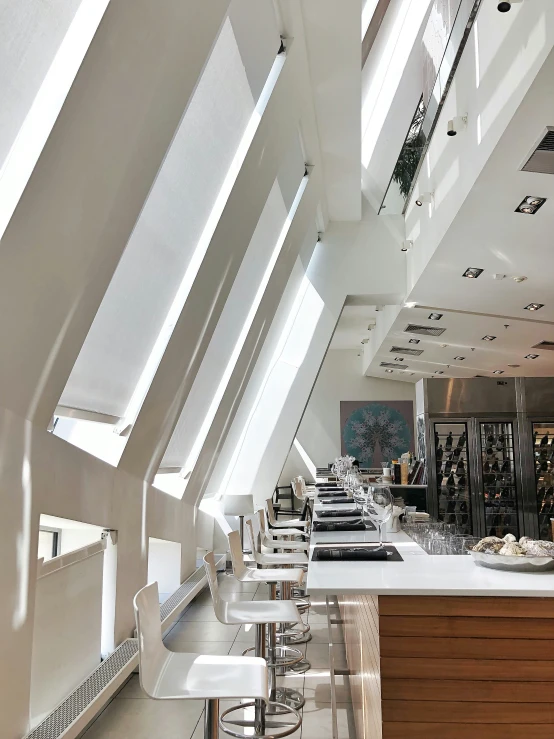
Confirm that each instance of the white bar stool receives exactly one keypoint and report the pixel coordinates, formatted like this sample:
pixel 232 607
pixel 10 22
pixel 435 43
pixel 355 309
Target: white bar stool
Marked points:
pixel 275 524
pixel 293 576
pixel 272 540
pixel 262 613
pixel 288 634
pixel 166 675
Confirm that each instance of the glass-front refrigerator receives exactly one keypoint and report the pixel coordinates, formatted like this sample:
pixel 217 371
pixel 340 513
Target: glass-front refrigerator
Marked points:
pixel 543 454
pixel 452 475
pixel 499 478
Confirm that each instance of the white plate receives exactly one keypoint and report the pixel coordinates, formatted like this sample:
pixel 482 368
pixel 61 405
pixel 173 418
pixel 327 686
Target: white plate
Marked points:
pixel 512 563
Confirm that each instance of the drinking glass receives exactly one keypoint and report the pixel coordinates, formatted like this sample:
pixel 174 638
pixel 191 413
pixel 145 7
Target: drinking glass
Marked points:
pixel 379 506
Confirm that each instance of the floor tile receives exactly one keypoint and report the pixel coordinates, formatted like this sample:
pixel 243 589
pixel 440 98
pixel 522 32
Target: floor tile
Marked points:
pixel 320 634
pixel 132 690
pixel 204 631
pixel 317 721
pixel 179 644
pixel 144 719
pixel 199 613
pixel 317 686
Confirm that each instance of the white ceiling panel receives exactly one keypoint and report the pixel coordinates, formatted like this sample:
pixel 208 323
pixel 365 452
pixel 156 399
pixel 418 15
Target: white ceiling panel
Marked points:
pixel 165 236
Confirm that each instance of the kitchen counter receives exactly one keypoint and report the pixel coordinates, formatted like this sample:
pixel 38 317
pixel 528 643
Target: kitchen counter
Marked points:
pixel 438 647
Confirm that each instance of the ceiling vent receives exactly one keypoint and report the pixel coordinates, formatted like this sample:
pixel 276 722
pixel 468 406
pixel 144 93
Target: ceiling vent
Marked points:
pixel 402 350
pixel 394 366
pixel 542 159
pixel 548 345
pixel 413 328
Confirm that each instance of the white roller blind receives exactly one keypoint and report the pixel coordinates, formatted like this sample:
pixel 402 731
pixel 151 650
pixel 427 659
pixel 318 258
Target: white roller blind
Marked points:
pixel 252 273
pixel 166 234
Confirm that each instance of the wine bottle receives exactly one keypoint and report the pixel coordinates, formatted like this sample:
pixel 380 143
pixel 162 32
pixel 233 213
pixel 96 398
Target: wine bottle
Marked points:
pixel 544 440
pixel 500 442
pixel 462 440
pixel 490 439
pixel 440 452
pixel 456 453
pixel 449 442
pixel 462 482
pixel 439 479
pixel 448 467
pixel 495 467
pixel 486 467
pixel 451 482
pixel 437 438
pixel 505 466
pixel 460 467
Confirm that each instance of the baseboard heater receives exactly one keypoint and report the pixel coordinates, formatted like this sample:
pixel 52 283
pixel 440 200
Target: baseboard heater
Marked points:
pixel 72 716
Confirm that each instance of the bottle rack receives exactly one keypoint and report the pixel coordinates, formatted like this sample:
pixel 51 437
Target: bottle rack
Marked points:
pixel 499 479
pixel 453 475
pixel 543 451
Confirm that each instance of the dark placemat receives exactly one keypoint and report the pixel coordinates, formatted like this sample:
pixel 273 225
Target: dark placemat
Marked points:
pixel 354 525
pixel 330 501
pixel 356 553
pixel 347 513
pixel 326 488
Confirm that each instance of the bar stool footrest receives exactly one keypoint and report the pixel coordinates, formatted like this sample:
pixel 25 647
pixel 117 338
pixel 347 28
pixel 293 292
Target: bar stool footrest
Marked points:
pixel 287 727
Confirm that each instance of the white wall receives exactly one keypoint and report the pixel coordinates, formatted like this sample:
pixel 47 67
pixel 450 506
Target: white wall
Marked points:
pixel 341 378
pixel 66 633
pixel 164 565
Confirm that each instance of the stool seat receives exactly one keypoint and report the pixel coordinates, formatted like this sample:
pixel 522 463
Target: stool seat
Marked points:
pixel 167 675
pixel 287 532
pixel 282 558
pixel 249 611
pixel 293 522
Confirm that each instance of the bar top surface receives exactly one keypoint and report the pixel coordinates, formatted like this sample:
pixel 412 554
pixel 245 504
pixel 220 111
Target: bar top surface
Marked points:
pixel 419 573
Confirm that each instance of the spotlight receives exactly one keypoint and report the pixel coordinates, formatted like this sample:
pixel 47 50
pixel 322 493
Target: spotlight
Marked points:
pixel 389 371
pixel 534 306
pixel 456 125
pixel 425 197
pixel 472 273
pixel 488 337
pixel 460 359
pixel 439 372
pixel 531 356
pixel 506 6
pixel 435 316
pixel 414 341
pixel 498 372
pixel 530 205
pixel 406 245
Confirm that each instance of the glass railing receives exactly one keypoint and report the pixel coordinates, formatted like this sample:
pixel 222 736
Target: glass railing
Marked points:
pixel 424 121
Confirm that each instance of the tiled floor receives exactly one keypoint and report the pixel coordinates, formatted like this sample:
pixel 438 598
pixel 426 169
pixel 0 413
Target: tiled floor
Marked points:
pixel 132 715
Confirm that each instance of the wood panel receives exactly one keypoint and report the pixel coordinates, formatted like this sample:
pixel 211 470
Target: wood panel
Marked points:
pixel 464 731
pixel 459 712
pixel 500 649
pixel 482 691
pixel 361 635
pixel 462 626
pixel 467 669
pixel 450 667
pixel 396 605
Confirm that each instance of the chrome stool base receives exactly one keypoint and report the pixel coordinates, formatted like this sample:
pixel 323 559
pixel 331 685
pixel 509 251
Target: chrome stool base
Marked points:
pixel 298 668
pixel 285 696
pixel 259 727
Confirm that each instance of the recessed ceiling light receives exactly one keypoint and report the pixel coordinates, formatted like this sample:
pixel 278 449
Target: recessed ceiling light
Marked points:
pixel 498 372
pixel 514 365
pixel 460 359
pixel 531 356
pixel 398 359
pixel 439 372
pixel 534 306
pixel 414 341
pixel 443 346
pixel 488 337
pixel 530 205
pixel 425 197
pixel 435 316
pixel 388 370
pixel 472 272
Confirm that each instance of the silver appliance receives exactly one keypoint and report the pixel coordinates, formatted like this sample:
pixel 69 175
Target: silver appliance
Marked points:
pixel 489 448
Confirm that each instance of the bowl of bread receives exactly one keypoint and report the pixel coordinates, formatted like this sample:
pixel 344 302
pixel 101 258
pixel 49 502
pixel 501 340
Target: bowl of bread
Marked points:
pixel 525 555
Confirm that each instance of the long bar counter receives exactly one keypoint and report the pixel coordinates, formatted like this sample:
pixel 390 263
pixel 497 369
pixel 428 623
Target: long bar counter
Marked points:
pixel 439 648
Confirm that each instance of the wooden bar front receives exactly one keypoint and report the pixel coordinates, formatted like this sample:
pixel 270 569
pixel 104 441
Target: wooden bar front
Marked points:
pixel 441 667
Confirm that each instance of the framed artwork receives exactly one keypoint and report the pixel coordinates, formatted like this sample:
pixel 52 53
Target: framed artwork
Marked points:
pixel 376 431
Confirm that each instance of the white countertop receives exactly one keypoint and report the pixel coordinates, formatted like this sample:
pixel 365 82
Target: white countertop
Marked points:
pixel 418 574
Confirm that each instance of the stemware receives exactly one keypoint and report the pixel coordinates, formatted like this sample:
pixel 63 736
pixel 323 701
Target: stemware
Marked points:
pixel 379 504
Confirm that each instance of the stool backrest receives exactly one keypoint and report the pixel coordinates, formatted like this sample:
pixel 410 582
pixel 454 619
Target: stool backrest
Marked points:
pixel 254 541
pixel 298 487
pixel 270 511
pixel 211 574
pixel 237 556
pixel 152 653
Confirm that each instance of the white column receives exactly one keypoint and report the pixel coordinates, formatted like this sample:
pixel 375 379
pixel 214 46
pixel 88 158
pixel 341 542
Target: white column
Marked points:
pixel 75 216
pixel 217 434
pixel 209 291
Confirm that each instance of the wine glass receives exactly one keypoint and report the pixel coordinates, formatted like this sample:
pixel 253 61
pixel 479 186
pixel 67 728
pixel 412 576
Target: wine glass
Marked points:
pixel 379 505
